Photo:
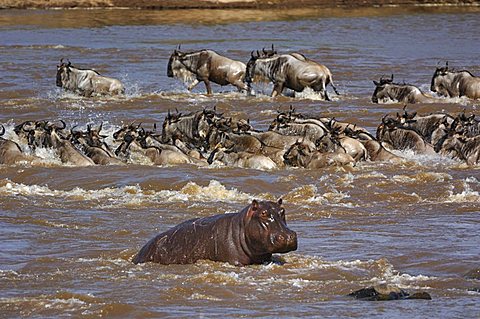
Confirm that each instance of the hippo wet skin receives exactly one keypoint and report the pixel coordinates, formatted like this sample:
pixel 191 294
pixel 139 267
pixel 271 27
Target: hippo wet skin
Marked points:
pixel 248 237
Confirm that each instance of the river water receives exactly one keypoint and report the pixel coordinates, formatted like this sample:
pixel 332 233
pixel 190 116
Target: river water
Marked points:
pixel 68 233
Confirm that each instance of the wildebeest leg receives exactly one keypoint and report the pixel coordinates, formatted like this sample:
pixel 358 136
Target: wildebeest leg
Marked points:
pixel 193 84
pixel 326 96
pixel 88 93
pixel 322 90
pixel 241 86
pixel 277 89
pixel 209 88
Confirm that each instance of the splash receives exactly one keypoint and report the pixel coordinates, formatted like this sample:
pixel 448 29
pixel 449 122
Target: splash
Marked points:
pixel 131 196
pixel 468 195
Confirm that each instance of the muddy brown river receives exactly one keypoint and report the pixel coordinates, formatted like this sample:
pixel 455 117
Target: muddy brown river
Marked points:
pixel 68 233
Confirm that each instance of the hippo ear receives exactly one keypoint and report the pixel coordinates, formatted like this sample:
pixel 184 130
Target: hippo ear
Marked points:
pixel 280 201
pixel 252 209
pixel 376 83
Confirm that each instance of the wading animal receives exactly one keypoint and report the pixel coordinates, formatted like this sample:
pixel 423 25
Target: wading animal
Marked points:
pixel 452 83
pixel 206 66
pixel 248 237
pixel 292 71
pixel 86 82
pixel 388 92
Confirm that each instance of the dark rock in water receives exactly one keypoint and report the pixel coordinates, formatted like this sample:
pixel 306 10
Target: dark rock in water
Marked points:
pixel 420 295
pixel 473 274
pixel 386 292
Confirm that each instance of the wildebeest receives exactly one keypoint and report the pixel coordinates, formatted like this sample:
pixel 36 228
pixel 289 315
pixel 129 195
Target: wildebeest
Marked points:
pixel 94 147
pixel 241 159
pixel 206 66
pixel 402 138
pixel 193 128
pixel 65 149
pixel 301 155
pixel 86 82
pixel 248 237
pixel 387 91
pixel 33 133
pixel 292 71
pixel 458 146
pixel 10 152
pixel 452 83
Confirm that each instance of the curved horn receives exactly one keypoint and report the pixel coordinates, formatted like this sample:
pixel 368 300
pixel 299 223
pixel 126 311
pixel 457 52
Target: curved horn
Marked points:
pixel 61 128
pixel 100 127
pixel 383 119
pixel 391 78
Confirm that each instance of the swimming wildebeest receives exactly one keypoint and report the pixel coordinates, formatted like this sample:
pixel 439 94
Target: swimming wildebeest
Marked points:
pixel 92 144
pixel 248 237
pixel 458 146
pixel 86 82
pixel 10 151
pixel 301 155
pixel 292 71
pixel 452 83
pixel 387 91
pixel 65 149
pixel 206 66
pixel 400 137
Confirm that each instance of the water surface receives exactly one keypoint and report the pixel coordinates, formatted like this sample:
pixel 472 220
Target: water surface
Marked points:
pixel 68 233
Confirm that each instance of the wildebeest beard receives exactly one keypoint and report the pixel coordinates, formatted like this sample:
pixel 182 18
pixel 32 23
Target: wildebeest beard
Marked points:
pixel 179 70
pixel 59 76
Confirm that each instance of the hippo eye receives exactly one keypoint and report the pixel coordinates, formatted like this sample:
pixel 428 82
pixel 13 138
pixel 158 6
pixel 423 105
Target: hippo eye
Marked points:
pixel 264 214
pixel 282 213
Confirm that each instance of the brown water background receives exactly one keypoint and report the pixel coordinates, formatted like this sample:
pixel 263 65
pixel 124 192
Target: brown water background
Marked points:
pixel 68 233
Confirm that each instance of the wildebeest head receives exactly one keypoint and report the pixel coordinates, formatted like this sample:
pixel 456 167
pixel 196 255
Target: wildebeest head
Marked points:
pixel 250 70
pixel 173 63
pixel 268 53
pixel 440 72
pixel 381 89
pixel 266 228
pixel 63 72
pixel 293 156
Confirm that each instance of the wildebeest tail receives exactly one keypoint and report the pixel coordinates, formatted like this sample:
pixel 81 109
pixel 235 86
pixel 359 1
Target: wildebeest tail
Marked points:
pixel 333 86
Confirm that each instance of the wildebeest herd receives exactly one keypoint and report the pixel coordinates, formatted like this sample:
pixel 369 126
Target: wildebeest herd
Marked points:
pixel 292 71
pixel 293 139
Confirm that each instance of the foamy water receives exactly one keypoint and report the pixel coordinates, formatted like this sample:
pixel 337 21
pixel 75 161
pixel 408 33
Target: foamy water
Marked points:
pixel 69 233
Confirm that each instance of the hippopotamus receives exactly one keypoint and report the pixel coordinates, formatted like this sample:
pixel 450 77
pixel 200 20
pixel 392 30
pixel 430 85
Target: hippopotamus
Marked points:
pixel 248 237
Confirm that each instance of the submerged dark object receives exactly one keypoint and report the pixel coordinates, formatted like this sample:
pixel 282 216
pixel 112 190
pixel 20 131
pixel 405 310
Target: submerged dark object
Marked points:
pixel 384 292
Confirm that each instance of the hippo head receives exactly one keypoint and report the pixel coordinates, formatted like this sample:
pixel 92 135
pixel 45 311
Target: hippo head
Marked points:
pixel 266 230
